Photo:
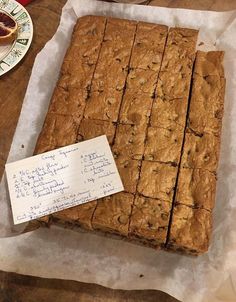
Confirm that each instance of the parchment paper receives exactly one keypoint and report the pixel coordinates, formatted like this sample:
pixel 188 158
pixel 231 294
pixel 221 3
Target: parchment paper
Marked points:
pixel 60 253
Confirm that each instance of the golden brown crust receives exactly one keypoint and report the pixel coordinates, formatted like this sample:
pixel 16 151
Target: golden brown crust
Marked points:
pixel 110 90
pixel 201 152
pixel 149 221
pixel 135 108
pixel 174 79
pixel 92 128
pixel 209 64
pixel 141 82
pixel 196 185
pixel 129 141
pixel 157 180
pixel 207 105
pixel 129 170
pixel 168 116
pixel 164 144
pixel 58 131
pixel 149 46
pixel 190 230
pixel 86 52
pixel 92 26
pixel 103 105
pixel 168 113
pixel 76 76
pixel 111 71
pixel 68 102
pixel 176 69
pixel 207 98
pixel 112 214
pixel 196 188
pixel 118 28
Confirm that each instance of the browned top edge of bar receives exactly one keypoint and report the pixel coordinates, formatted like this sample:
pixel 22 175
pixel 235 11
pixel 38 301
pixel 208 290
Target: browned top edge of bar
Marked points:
pixel 191 39
pixel 110 19
pixel 142 25
pixel 209 63
pixel 172 29
pixel 192 34
pixel 206 64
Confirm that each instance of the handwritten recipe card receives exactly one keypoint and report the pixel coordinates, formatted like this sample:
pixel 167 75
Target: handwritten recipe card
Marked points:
pixel 62 178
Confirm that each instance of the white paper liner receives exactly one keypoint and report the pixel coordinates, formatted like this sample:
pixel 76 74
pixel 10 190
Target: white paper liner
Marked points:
pixel 59 253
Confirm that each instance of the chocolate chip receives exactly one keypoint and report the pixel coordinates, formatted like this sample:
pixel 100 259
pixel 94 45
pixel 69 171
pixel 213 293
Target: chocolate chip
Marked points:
pixel 123 219
pixel 164 216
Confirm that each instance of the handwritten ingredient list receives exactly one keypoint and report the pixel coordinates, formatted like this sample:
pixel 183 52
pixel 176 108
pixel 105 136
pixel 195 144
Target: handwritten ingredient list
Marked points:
pixel 62 178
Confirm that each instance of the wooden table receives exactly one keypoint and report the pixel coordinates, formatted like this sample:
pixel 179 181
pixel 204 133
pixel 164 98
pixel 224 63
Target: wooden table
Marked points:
pixel 13 287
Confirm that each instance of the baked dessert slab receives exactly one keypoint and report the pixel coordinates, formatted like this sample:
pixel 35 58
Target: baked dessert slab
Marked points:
pixel 131 81
pixel 190 230
pixel 210 104
pixel 196 188
pixel 130 136
pixel 104 105
pixel 202 138
pixel 164 144
pixel 196 185
pixel 164 141
pixel 209 64
pixel 165 134
pixel 208 91
pixel 53 135
pixel 88 26
pixel 148 46
pixel 143 74
pixel 201 151
pixel 92 128
pixel 149 221
pixel 130 140
pixel 157 180
pixel 112 214
pixel 84 50
pixel 175 77
pixel 129 170
pixel 135 108
pixel 141 81
pixel 111 70
pixel 68 101
pixel 168 113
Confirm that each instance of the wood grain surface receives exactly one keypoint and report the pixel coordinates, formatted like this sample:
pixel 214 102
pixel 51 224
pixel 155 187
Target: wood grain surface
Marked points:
pixel 13 287
pixel 18 288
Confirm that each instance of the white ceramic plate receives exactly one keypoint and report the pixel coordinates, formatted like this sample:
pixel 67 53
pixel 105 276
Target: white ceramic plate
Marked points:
pixel 12 54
